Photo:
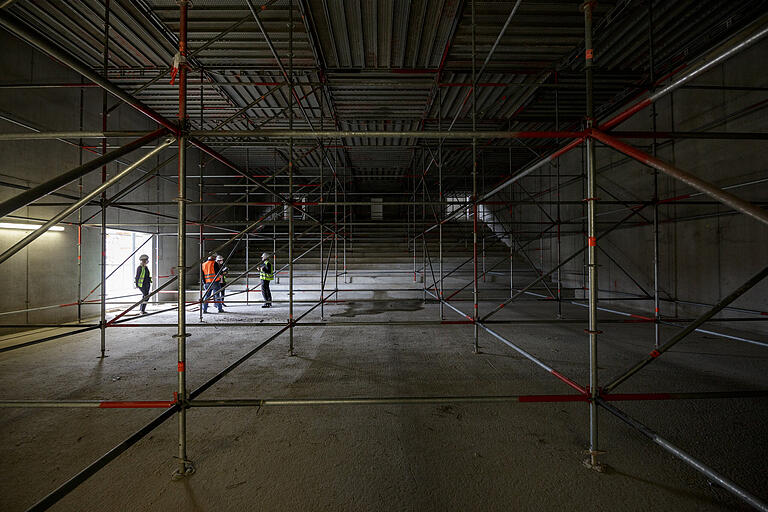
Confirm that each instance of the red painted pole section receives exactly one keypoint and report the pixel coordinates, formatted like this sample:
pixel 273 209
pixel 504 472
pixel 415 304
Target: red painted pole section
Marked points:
pixel 699 184
pixel 158 404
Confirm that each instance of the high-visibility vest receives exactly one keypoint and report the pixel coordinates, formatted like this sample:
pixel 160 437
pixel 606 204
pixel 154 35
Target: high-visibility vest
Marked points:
pixel 209 271
pixel 142 276
pixel 264 276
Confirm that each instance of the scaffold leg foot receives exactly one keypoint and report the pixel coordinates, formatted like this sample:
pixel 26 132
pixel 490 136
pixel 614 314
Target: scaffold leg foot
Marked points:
pixel 592 463
pixel 189 470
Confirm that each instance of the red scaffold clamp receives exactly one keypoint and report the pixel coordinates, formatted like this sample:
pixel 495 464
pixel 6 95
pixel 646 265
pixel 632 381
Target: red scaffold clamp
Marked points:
pixel 178 61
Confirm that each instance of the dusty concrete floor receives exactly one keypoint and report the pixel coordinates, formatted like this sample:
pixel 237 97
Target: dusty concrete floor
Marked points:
pixel 409 457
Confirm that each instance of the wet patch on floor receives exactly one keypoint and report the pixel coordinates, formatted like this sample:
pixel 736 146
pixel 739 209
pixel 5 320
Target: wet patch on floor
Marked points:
pixel 374 308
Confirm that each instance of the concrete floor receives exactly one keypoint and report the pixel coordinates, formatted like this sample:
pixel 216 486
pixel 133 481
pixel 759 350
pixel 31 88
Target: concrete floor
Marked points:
pixel 380 457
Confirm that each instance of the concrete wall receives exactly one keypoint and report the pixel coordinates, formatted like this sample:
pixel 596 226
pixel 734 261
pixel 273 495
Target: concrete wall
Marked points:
pixel 704 258
pixel 45 273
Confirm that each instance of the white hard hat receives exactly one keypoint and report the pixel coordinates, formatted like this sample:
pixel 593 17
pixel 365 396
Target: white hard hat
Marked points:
pixel 265 256
pixel 219 257
pixel 144 257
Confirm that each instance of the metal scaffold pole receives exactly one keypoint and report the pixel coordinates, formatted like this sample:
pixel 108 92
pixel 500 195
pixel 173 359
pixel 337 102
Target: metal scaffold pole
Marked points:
pixel 413 216
pixel 201 166
pixel 290 181
pixel 247 235
pixel 103 230
pixel 439 291
pixel 423 217
pixel 557 217
pixel 652 80
pixel 80 220
pixel 336 224
pixel 322 207
pixel 475 313
pixel 511 226
pixel 591 199
pixel 185 466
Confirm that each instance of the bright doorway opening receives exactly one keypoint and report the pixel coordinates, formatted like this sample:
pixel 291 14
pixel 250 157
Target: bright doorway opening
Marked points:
pixel 123 251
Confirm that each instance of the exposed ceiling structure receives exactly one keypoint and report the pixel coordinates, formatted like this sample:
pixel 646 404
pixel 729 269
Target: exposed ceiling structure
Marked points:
pixel 386 65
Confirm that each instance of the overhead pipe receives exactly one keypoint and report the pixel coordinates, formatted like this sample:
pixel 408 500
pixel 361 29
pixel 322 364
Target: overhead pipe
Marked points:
pixel 71 135
pixel 501 134
pixel 699 184
pixel 82 202
pixel 21 32
pixel 10 24
pixel 35 193
pixel 557 134
pixel 739 42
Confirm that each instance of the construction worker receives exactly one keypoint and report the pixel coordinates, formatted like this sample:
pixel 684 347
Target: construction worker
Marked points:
pixel 142 281
pixel 224 271
pixel 212 279
pixel 266 274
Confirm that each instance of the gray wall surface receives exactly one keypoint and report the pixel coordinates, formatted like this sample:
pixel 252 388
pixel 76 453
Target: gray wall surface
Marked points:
pixel 45 273
pixel 709 250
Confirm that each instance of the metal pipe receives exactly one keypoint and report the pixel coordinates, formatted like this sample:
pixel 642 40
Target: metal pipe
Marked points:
pixel 558 219
pixel 35 193
pixel 322 208
pixel 689 179
pixel 98 404
pixel 80 216
pixel 423 239
pixel 428 134
pixel 71 484
pixel 103 228
pixel 591 241
pixel 405 400
pixel 10 24
pixel 688 329
pixel 47 338
pixel 734 45
pixel 185 466
pixel 77 205
pixel 656 252
pixel 699 466
pixel 642 318
pixel 538 362
pixel 400 400
pixel 739 42
pixel 201 182
pixel 441 284
pixel 475 313
pixel 291 212
pixel 93 468
pixel 103 134
pixel 418 400
pixel 302 134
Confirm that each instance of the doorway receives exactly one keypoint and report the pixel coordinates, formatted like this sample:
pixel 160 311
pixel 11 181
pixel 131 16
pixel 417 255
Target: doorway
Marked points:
pixel 123 251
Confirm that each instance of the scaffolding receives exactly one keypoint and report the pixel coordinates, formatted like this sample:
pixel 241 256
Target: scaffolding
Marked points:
pixel 333 233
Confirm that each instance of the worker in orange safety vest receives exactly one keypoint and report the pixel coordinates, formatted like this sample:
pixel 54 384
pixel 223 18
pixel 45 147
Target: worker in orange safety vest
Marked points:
pixel 212 280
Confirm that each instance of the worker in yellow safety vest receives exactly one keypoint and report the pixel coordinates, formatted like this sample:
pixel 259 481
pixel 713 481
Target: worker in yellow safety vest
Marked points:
pixel 143 281
pixel 212 280
pixel 266 274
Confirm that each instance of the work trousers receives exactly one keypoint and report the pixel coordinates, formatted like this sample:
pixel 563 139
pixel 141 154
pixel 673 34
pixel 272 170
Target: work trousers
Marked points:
pixel 212 289
pixel 145 297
